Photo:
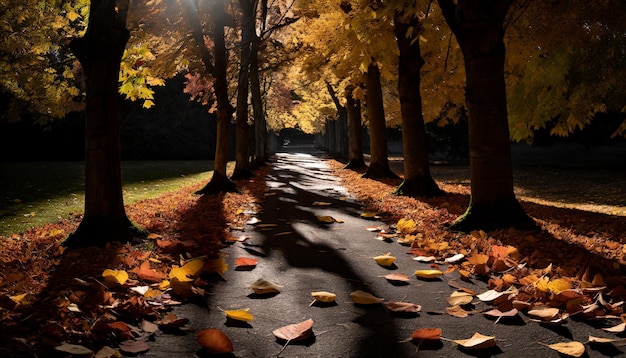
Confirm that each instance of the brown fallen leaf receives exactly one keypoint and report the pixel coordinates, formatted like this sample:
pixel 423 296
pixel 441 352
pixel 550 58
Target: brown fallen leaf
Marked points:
pixel 134 347
pixel 397 278
pixel 263 287
pixel 214 341
pixel 405 307
pixel 294 332
pixel 457 311
pixel 73 349
pixel 459 298
pixel 297 331
pixel 499 314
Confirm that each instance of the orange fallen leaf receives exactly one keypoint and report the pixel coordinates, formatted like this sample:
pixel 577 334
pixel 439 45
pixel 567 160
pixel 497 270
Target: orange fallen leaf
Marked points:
pixel 245 263
pixel 397 277
pixel 426 334
pixel 457 311
pixel 146 273
pixel 215 341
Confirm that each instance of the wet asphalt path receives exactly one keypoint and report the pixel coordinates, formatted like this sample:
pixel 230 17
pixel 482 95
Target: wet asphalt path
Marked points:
pixel 303 255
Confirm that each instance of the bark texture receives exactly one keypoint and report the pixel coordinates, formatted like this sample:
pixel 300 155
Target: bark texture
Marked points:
pixel 479 29
pixel 379 162
pixel 355 130
pixel 417 178
pixel 100 54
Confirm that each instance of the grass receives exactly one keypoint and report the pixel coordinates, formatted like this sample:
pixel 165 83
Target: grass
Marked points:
pixel 35 193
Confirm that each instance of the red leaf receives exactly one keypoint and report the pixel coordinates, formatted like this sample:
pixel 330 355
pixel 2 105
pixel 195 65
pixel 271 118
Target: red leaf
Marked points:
pixel 426 334
pixel 245 263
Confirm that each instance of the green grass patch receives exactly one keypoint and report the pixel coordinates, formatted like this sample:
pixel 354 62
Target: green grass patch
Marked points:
pixel 35 193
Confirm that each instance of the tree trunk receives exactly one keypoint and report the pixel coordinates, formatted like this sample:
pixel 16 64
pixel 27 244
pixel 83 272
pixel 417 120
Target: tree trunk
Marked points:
pixel 261 146
pixel 417 178
pixel 480 33
pixel 379 163
pixel 100 54
pixel 242 166
pixel 220 182
pixel 338 125
pixel 355 130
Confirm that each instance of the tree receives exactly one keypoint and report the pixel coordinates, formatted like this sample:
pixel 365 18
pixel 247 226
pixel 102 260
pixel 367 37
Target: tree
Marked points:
pixel 355 130
pixel 417 179
pixel 478 28
pixel 242 165
pixel 379 162
pixel 100 53
pixel 219 181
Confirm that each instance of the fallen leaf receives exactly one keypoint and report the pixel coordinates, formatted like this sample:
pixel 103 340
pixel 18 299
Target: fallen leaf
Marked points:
pixel 616 329
pixel 365 298
pixel 245 263
pixel 397 277
pixel 148 326
pixel 214 341
pixel 426 334
pixel 459 298
pixel 239 315
pixel 499 314
pixel 478 341
pixel 478 259
pixel 188 271
pixel 325 219
pixel 405 307
pixel 428 274
pixel 73 349
pixel 373 228
pixel 425 258
pixel 455 258
pixel 574 349
pixel 107 352
pixel 262 287
pixel 146 273
pixel 323 296
pixel 134 347
pixel 368 215
pixel 118 277
pixel 544 313
pixel 385 260
pixel 297 331
pixel 457 311
pixel 320 203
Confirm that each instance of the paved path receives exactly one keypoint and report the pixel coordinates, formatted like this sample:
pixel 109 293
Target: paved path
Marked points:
pixel 304 255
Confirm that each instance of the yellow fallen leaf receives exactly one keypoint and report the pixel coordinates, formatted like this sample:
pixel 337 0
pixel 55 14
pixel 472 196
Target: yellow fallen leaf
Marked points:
pixel 545 313
pixel 320 203
pixel 478 341
pixel 574 349
pixel 365 298
pixel 368 215
pixel 164 285
pixel 559 285
pixel 18 298
pixel 217 265
pixel 325 219
pixel 239 315
pixel 385 260
pixel 323 296
pixel 428 274
pixel 115 276
pixel 188 271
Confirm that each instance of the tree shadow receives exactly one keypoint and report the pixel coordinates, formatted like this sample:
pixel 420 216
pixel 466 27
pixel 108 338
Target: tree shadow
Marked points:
pixel 312 245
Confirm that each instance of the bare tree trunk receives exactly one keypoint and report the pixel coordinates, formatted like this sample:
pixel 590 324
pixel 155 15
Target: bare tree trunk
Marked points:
pixel 219 181
pixel 417 178
pixel 379 163
pixel 478 27
pixel 242 157
pixel 100 53
pixel 355 130
pixel 261 147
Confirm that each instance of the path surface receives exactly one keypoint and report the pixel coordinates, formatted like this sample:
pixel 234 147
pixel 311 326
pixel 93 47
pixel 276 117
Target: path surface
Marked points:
pixel 304 255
